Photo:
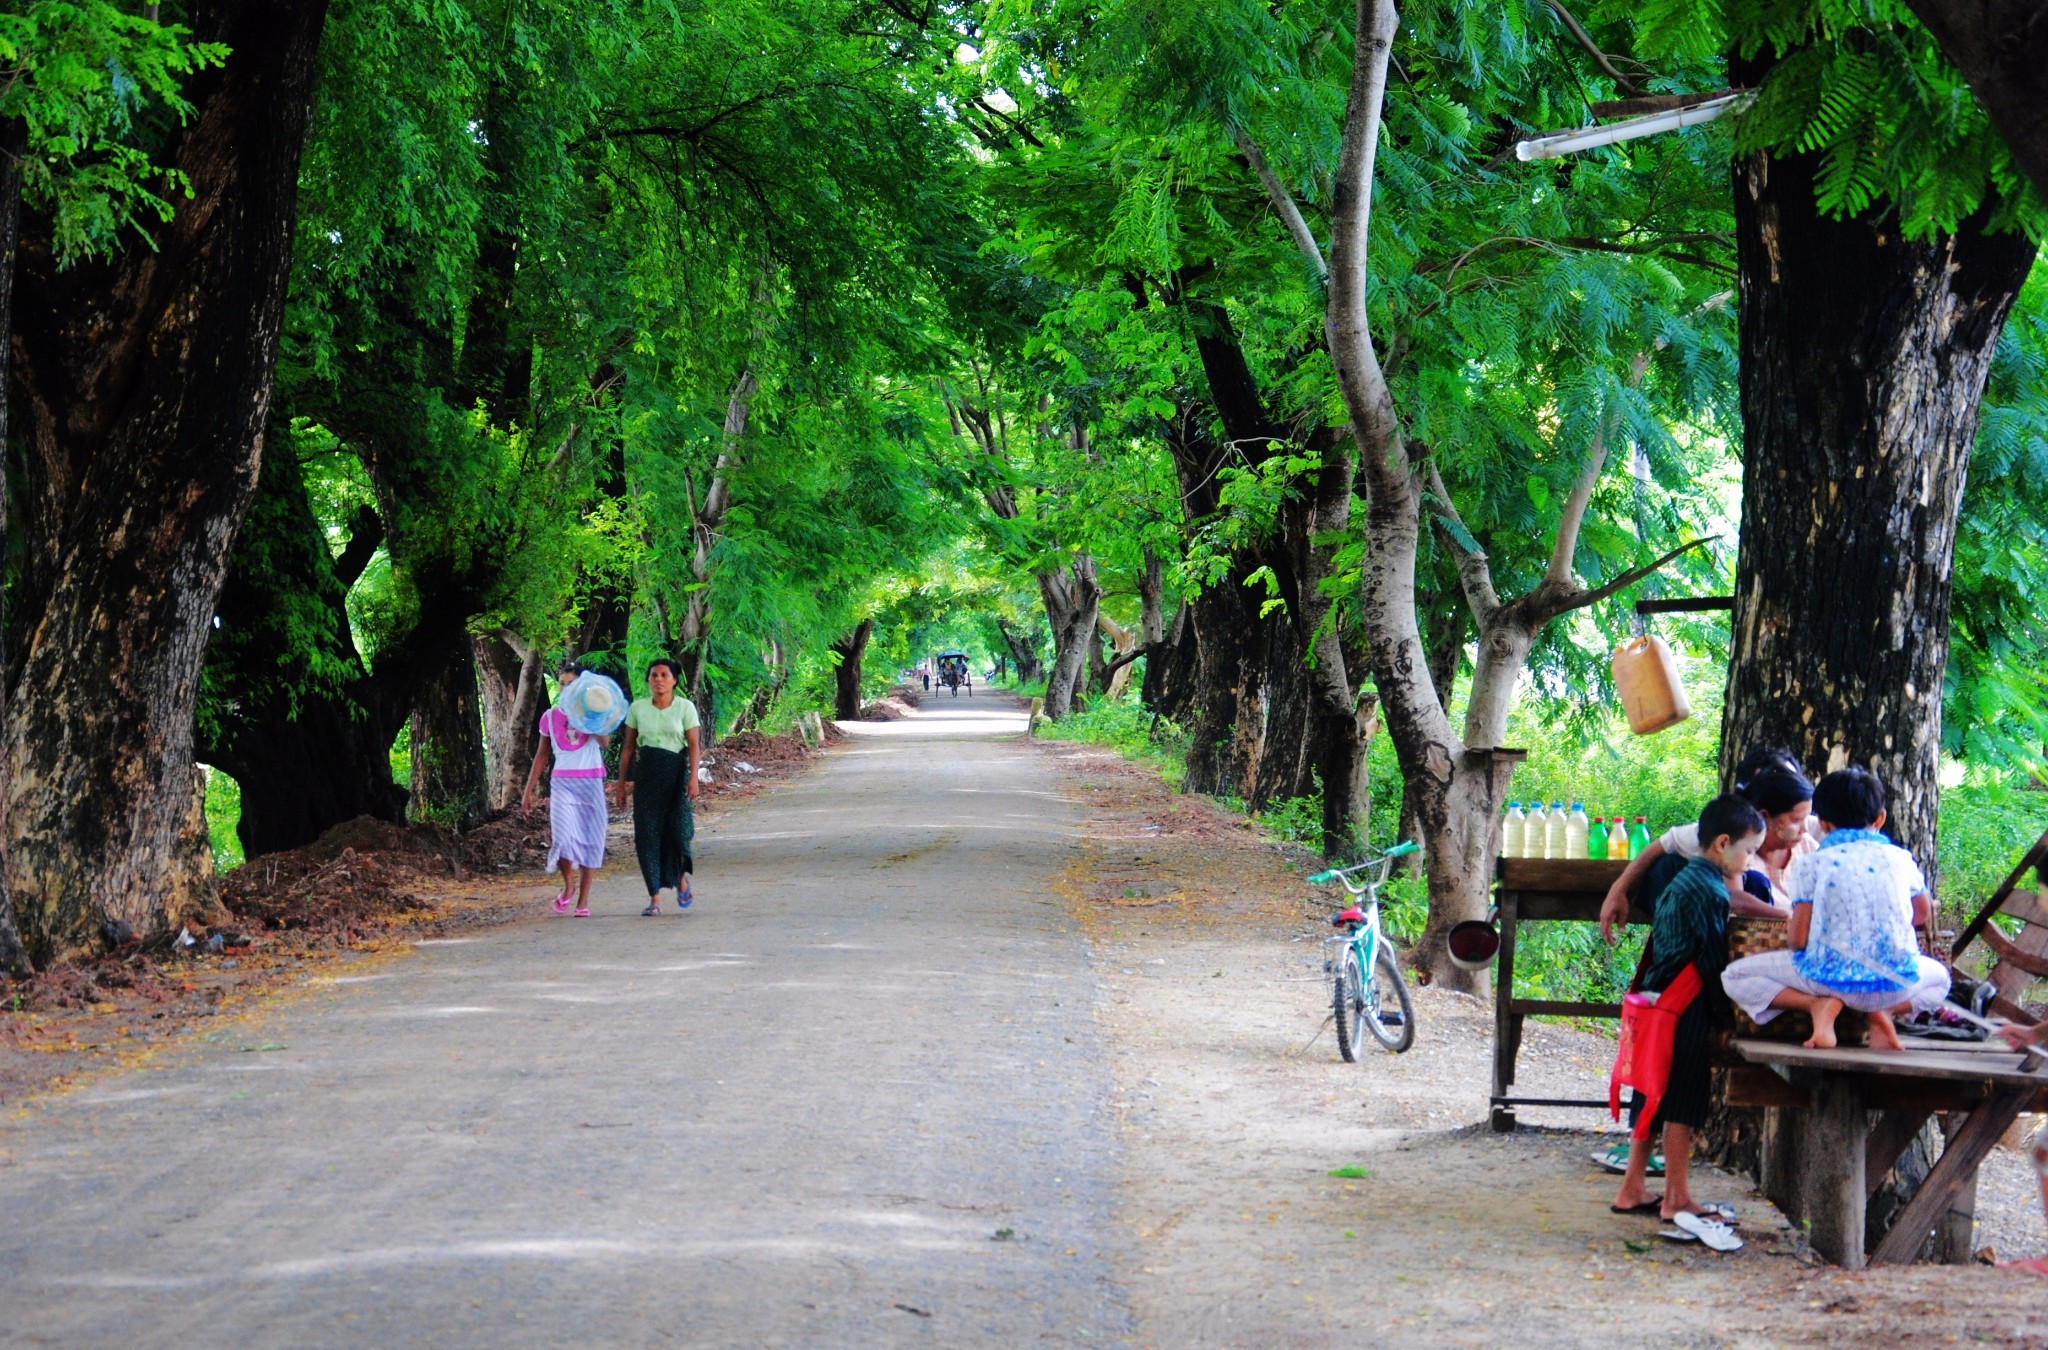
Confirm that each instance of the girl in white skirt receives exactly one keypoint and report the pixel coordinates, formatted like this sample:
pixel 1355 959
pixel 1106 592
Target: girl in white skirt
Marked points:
pixel 576 805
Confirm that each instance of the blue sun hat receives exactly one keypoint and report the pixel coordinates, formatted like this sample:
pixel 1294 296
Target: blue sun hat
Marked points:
pixel 594 704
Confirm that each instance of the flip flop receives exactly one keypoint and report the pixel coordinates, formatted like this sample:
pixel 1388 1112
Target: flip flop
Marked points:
pixel 1615 1160
pixel 1711 1232
pixel 683 898
pixel 653 910
pixel 582 911
pixel 1676 1235
pixel 562 902
pixel 1649 1206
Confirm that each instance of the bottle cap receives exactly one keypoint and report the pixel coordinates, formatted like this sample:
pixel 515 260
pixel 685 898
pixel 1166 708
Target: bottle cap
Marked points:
pixel 1578 806
pixel 1641 819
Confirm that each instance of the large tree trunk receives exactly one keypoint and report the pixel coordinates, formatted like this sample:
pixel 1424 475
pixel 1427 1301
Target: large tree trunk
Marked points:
pixel 288 710
pixel 1071 596
pixel 448 778
pixel 846 675
pixel 511 677
pixel 1170 669
pixel 1030 666
pixel 1863 356
pixel 13 144
pixel 2001 47
pixel 148 382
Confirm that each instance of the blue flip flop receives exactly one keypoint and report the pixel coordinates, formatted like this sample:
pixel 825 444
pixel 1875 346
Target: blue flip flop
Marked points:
pixel 683 898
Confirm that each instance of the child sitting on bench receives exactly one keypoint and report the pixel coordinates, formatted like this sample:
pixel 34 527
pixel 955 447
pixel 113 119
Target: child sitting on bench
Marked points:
pixel 1855 903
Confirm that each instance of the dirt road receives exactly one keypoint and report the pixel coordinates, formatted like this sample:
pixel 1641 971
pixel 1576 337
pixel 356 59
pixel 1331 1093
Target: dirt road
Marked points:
pixel 969 1041
pixel 855 1096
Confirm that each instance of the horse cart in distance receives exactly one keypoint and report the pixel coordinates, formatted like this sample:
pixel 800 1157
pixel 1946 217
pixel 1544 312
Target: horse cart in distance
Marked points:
pixel 952 668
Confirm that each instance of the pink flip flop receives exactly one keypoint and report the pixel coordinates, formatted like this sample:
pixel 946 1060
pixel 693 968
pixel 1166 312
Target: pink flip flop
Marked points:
pixel 562 902
pixel 582 911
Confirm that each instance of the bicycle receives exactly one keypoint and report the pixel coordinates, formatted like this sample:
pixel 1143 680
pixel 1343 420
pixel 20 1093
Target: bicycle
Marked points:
pixel 1378 1005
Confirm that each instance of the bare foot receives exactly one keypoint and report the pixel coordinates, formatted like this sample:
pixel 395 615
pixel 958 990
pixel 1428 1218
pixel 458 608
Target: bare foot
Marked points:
pixel 1883 1035
pixel 1824 1014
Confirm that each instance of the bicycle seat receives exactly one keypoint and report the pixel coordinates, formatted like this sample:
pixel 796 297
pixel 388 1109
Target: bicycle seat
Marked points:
pixel 1351 915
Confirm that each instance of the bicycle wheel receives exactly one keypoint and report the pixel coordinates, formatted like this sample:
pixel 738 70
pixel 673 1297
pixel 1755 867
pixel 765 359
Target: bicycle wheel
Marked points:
pixel 1347 1003
pixel 1389 1016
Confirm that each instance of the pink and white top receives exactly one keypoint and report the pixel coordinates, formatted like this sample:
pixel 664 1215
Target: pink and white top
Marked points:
pixel 576 754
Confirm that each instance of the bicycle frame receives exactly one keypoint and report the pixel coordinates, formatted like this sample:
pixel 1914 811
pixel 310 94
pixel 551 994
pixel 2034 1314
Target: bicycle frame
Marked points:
pixel 1364 936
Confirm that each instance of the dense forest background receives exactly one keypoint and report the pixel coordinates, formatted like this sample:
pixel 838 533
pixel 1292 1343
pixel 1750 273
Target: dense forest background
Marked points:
pixel 1219 369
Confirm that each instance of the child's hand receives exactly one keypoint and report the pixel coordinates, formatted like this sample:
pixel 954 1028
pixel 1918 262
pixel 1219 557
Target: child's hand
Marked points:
pixel 2019 1038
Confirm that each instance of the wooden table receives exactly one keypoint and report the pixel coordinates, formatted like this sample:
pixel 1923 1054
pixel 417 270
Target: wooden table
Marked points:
pixel 1850 1114
pixel 1538 890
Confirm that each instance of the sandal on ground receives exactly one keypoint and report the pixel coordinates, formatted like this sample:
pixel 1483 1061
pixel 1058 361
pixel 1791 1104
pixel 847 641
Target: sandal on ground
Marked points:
pixel 1711 1232
pixel 582 911
pixel 562 902
pixel 653 910
pixel 683 898
pixel 1649 1206
pixel 2037 1265
pixel 1615 1159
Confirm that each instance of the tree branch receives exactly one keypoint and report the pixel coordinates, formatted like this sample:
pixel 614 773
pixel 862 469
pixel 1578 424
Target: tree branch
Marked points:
pixel 1585 40
pixel 1475 573
pixel 1548 603
pixel 1283 202
pixel 1566 545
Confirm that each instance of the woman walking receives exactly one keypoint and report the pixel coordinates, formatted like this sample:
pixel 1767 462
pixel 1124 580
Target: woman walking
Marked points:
pixel 659 762
pixel 576 808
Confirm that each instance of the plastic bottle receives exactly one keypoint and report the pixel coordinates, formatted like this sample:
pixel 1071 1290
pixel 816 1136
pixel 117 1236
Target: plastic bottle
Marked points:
pixel 1514 830
pixel 1639 836
pixel 1554 833
pixel 1576 828
pixel 1617 839
pixel 1596 838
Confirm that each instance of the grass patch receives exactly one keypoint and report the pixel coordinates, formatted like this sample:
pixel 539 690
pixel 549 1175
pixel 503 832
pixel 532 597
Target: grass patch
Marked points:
pixel 1126 726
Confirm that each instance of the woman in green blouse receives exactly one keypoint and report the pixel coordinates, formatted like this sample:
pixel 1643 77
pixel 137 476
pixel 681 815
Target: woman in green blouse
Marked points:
pixel 662 742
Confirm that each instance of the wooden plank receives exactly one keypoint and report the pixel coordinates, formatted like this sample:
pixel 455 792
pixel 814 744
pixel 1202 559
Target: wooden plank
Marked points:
pixel 1552 1007
pixel 2028 909
pixel 1584 876
pixel 1686 604
pixel 1557 906
pixel 1890 1135
pixel 1754 1085
pixel 2032 858
pixel 1955 1233
pixel 2012 954
pixel 1922 1094
pixel 1892 1063
pixel 1956 1169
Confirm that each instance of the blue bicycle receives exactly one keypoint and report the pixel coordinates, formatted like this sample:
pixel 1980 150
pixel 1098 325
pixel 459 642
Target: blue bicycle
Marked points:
pixel 1367 994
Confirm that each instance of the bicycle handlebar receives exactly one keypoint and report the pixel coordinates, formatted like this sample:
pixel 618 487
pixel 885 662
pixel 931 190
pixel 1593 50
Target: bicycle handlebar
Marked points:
pixel 1399 850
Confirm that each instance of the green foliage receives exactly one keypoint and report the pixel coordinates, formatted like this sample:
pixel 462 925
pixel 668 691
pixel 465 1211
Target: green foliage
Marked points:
pixel 1126 726
pixel 96 89
pixel 223 815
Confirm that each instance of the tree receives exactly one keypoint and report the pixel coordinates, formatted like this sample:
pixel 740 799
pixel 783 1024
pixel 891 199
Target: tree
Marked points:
pixel 138 461
pixel 2001 48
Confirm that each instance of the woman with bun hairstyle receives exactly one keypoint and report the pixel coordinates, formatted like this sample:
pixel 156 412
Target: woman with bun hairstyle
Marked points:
pixel 659 766
pixel 1768 779
pixel 576 810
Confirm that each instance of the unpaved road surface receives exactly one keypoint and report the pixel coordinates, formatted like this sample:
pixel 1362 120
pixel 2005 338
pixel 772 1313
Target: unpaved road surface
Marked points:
pixel 969 1041
pixel 856 1096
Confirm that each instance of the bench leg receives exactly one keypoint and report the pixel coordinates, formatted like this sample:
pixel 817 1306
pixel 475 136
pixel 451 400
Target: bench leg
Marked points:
pixel 1507 1027
pixel 1957 1169
pixel 1955 1235
pixel 1832 1141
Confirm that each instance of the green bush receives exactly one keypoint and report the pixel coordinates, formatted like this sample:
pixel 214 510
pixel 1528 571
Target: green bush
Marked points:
pixel 223 815
pixel 1128 727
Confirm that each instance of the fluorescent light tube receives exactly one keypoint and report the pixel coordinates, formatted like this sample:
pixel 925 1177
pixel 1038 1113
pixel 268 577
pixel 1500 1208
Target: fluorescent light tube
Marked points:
pixel 1560 143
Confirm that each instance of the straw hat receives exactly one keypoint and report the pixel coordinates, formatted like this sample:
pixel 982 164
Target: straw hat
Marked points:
pixel 594 704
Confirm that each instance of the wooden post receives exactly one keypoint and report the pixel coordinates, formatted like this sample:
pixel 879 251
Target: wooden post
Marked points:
pixel 1955 1235
pixel 1507 1026
pixel 1832 1198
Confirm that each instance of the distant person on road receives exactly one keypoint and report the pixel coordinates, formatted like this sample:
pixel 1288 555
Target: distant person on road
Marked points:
pixel 659 766
pixel 926 671
pixel 576 810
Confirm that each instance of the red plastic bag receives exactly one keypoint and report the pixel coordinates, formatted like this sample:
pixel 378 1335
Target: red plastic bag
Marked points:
pixel 1649 1022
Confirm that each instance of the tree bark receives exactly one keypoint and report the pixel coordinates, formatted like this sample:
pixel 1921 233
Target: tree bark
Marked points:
pixel 511 678
pixel 1071 596
pixel 846 676
pixel 707 518
pixel 449 784
pixel 147 382
pixel 13 145
pixel 1863 357
pixel 2001 47
pixel 1030 666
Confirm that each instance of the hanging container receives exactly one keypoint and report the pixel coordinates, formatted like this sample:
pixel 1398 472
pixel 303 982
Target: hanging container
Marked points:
pixel 1647 675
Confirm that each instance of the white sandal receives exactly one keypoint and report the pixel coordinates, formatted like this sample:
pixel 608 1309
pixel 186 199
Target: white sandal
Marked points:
pixel 1710 1231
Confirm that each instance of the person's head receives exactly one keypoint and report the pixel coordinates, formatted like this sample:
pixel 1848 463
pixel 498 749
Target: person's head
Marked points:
pixel 1786 800
pixel 1731 831
pixel 1766 759
pixel 1850 799
pixel 566 671
pixel 662 676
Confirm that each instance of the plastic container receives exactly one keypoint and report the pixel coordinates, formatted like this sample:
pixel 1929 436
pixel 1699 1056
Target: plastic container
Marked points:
pixel 1576 829
pixel 1555 842
pixel 1617 839
pixel 1596 839
pixel 1638 836
pixel 1646 675
pixel 1514 830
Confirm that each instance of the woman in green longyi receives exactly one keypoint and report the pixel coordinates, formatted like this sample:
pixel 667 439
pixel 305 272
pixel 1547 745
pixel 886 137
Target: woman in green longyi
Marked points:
pixel 662 744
